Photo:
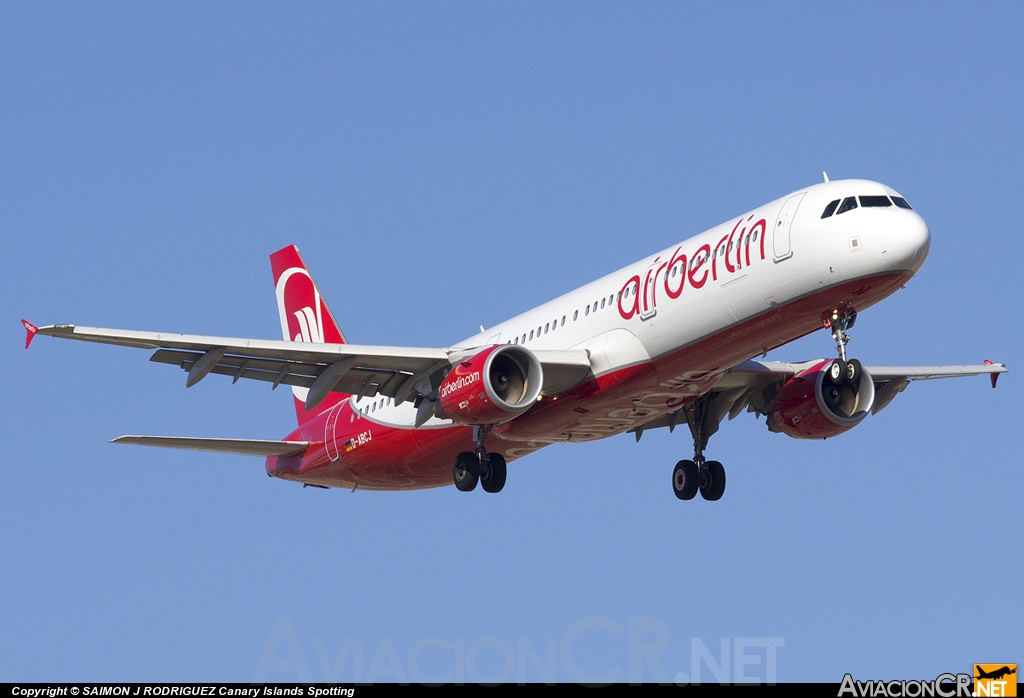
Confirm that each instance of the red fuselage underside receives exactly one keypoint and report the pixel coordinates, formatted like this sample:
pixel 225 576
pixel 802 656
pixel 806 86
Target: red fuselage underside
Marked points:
pixel 398 458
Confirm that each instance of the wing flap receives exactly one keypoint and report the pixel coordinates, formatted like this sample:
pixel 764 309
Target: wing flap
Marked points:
pixel 244 447
pixel 563 369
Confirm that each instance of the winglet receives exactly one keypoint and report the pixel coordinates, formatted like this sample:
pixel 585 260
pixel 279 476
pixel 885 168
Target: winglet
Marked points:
pixel 31 330
pixel 992 376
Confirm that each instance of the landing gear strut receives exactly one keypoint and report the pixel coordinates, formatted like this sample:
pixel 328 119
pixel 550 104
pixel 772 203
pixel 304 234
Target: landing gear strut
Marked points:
pixel 842 370
pixel 487 468
pixel 839 321
pixel 699 474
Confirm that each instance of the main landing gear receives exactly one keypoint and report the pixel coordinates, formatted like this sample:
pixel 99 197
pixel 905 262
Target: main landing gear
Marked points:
pixel 705 476
pixel 487 468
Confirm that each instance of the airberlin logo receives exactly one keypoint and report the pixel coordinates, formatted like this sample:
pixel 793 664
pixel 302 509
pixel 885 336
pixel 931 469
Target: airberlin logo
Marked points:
pixel 731 254
pixel 309 329
pixel 460 383
pixel 309 324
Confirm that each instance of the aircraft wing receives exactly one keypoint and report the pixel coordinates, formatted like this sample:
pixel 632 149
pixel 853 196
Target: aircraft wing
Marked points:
pixel 355 369
pixel 753 385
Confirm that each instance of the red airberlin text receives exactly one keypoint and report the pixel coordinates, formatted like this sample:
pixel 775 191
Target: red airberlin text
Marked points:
pixel 640 296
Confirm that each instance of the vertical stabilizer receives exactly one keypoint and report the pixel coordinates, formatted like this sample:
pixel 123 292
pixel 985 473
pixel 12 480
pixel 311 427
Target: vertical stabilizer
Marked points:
pixel 305 317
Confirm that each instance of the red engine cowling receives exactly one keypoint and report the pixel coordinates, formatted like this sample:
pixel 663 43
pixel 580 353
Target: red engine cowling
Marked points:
pixel 813 406
pixel 493 387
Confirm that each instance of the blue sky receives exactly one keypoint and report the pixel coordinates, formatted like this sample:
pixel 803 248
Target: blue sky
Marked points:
pixel 447 166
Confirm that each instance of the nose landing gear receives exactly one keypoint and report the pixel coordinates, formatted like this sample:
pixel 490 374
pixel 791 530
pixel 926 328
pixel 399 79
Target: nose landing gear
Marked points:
pixel 489 469
pixel 842 371
pixel 839 321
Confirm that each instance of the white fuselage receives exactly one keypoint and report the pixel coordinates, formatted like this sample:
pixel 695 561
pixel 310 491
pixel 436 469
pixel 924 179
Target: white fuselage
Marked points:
pixel 656 307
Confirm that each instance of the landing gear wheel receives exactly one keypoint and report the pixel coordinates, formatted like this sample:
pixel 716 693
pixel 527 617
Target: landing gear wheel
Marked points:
pixel 685 479
pixel 493 472
pixel 466 472
pixel 853 372
pixel 712 481
pixel 837 371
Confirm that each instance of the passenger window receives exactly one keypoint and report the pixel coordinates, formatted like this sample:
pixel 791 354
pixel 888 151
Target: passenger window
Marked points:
pixel 849 203
pixel 830 209
pixel 611 299
pixel 547 326
pixel 602 302
pixel 563 321
pixel 755 236
pixel 875 201
pixel 531 334
pixel 595 306
pixel 575 314
pixel 587 310
pixel 524 338
pixel 901 202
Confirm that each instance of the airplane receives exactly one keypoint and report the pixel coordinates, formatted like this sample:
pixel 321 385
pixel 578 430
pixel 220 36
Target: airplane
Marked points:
pixel 996 674
pixel 671 339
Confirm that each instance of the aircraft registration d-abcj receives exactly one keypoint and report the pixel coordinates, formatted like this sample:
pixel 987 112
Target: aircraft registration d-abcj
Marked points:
pixel 669 340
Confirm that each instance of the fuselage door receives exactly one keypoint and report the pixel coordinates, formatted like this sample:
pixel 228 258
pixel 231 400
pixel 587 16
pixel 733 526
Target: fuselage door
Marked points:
pixel 331 433
pixel 780 239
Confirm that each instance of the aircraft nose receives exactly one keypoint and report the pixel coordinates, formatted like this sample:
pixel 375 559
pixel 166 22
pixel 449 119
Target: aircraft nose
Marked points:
pixel 908 243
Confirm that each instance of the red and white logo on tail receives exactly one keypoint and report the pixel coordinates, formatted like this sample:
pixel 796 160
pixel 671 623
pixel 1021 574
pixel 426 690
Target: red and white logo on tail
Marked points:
pixel 305 316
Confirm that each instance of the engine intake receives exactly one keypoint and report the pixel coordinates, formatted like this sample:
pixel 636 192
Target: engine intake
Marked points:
pixel 495 386
pixel 814 405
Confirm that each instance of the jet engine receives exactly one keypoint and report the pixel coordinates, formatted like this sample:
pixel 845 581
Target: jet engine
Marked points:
pixel 824 400
pixel 494 386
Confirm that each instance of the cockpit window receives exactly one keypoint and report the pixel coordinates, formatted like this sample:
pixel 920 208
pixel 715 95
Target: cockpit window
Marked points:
pixel 901 202
pixel 849 203
pixel 875 201
pixel 830 209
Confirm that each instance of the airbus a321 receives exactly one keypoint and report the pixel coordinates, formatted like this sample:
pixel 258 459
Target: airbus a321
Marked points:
pixel 673 339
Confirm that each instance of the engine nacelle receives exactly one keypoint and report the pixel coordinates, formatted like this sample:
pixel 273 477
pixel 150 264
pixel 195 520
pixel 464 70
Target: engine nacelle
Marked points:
pixel 493 387
pixel 813 406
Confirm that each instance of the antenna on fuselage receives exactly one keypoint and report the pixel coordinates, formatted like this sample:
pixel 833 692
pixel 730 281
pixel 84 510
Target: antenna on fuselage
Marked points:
pixel 825 175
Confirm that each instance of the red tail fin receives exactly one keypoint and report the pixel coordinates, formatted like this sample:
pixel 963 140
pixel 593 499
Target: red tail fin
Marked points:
pixel 305 317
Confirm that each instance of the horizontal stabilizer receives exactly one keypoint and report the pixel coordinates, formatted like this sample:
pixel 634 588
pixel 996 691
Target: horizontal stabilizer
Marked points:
pixel 245 447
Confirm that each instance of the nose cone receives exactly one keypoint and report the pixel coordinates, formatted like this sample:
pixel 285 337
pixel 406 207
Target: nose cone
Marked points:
pixel 907 243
